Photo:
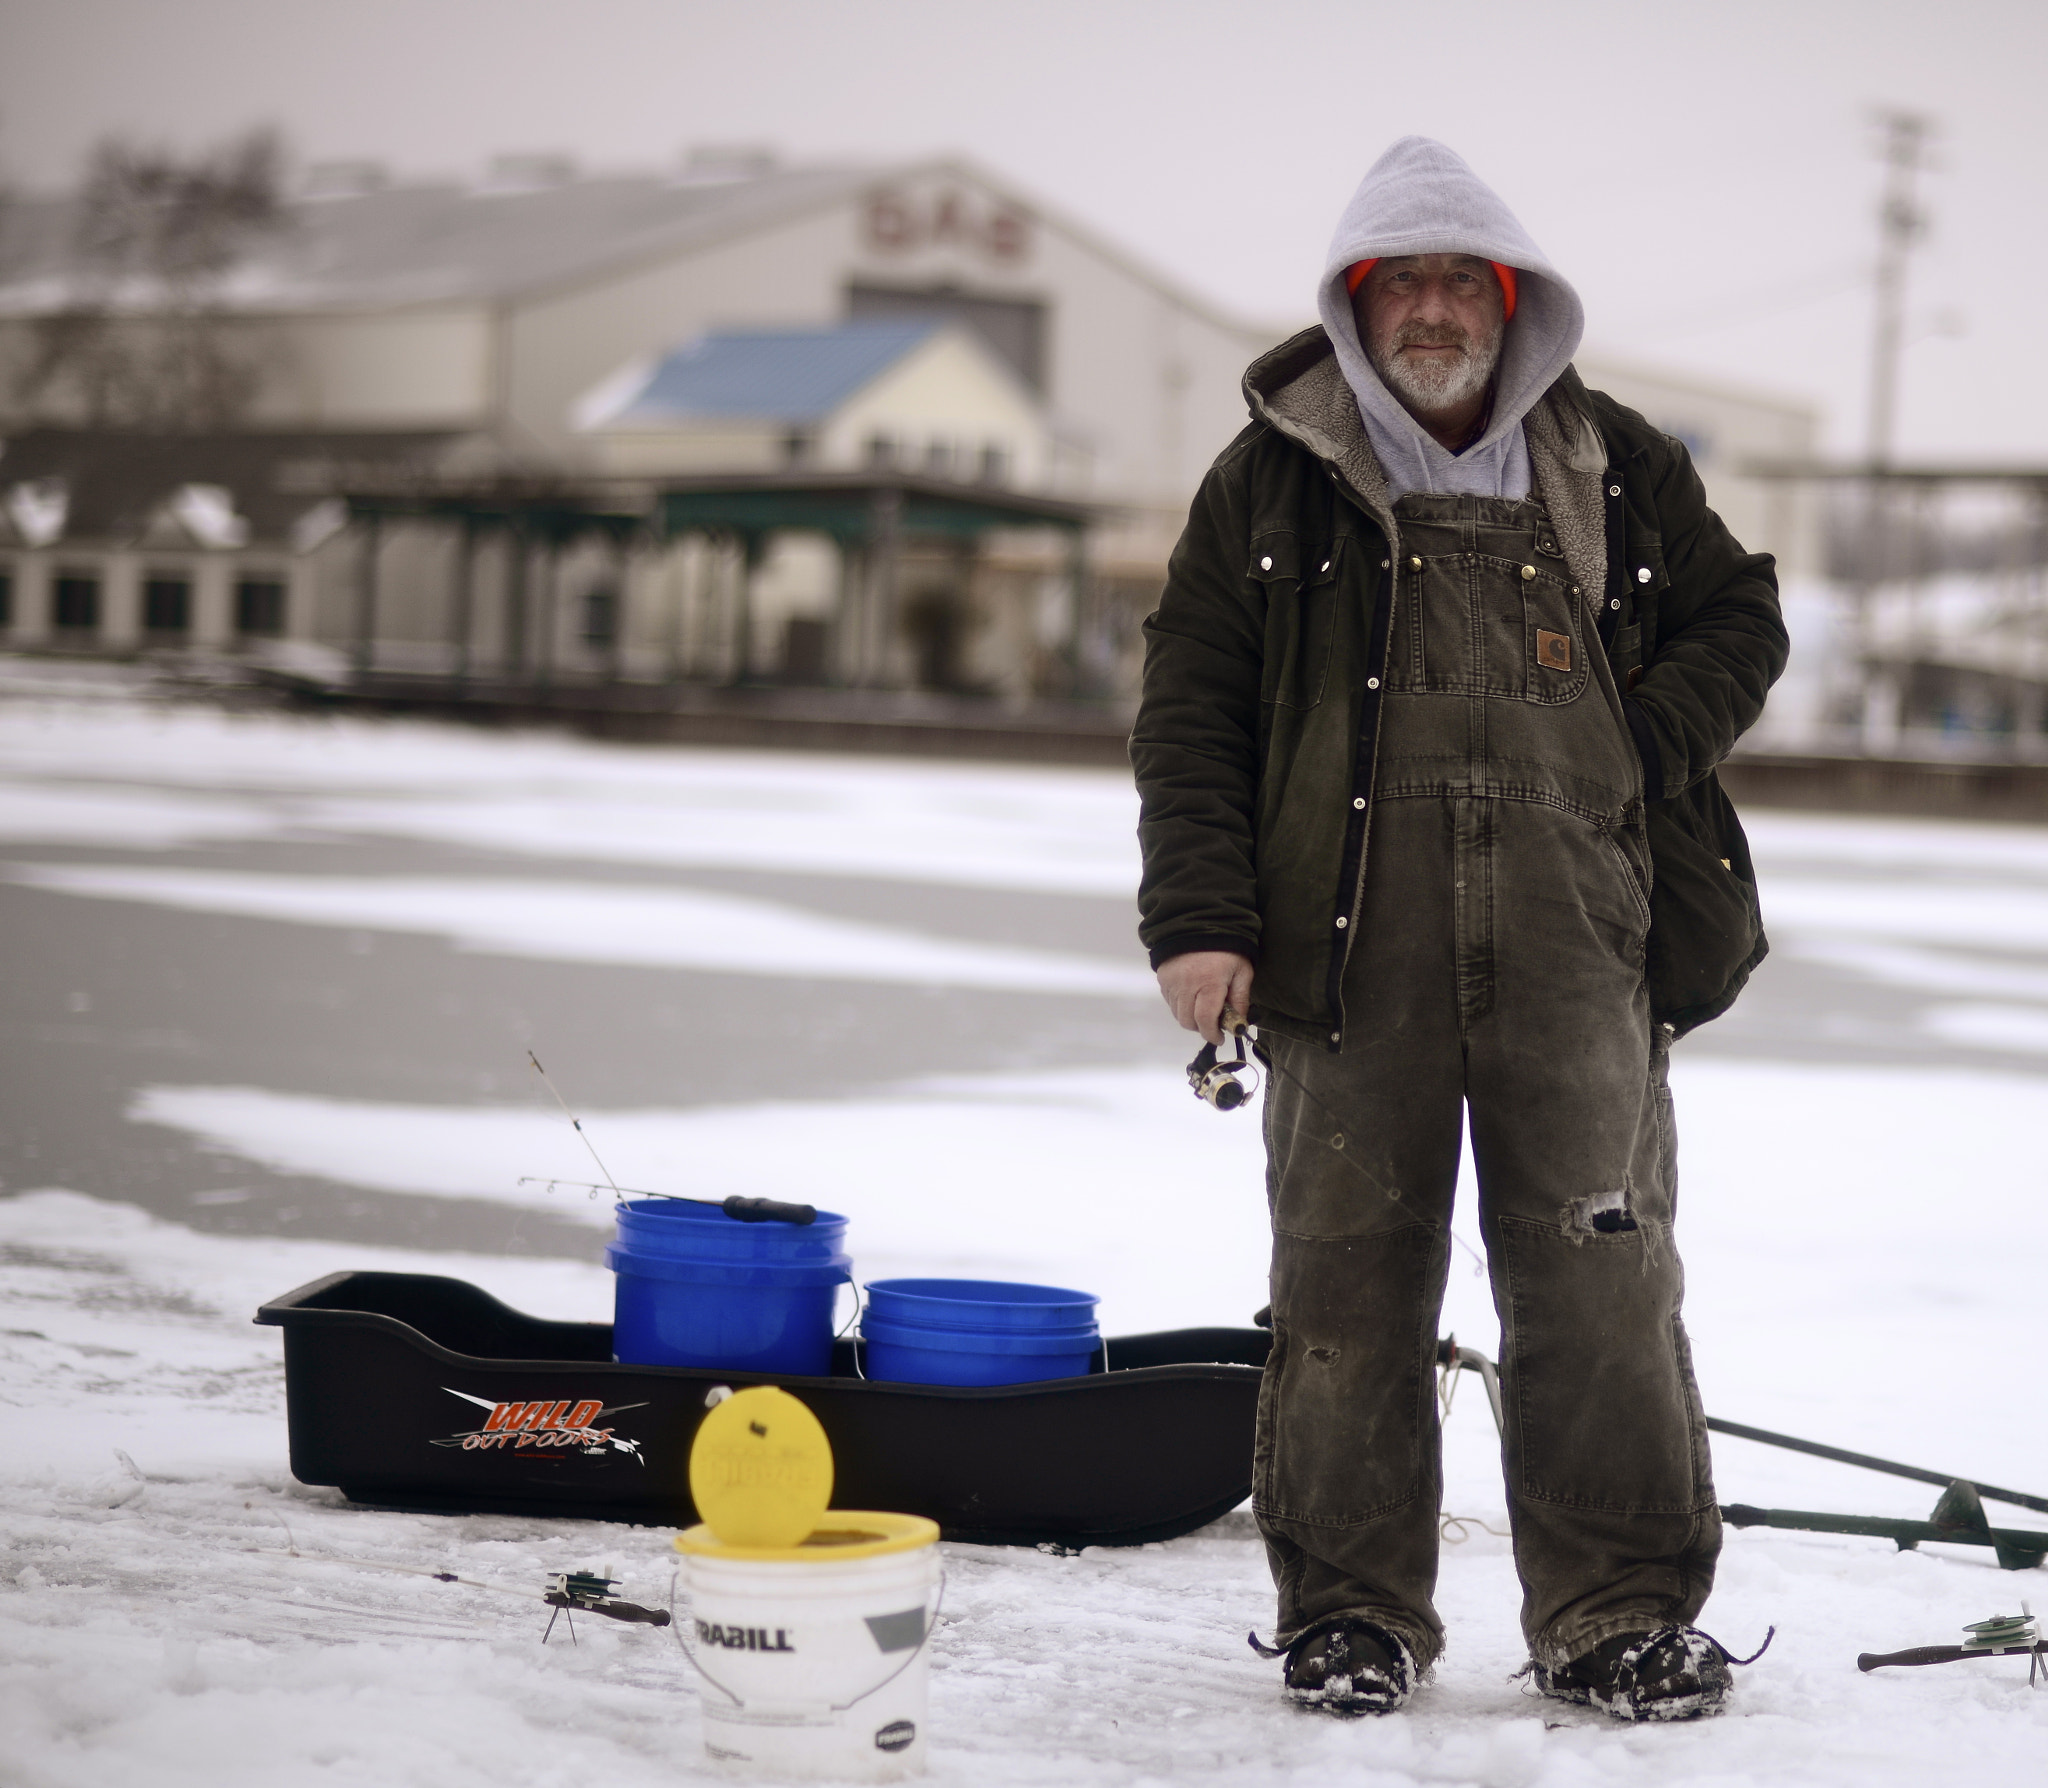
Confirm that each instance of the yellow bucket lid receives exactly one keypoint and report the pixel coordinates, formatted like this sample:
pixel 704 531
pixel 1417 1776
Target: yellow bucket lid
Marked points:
pixel 761 1469
pixel 842 1536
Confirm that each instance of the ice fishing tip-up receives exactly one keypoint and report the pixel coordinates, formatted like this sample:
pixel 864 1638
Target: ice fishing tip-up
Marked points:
pixel 2002 1636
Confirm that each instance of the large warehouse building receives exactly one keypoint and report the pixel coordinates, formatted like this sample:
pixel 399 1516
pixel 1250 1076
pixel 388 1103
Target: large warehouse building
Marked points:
pixel 1041 404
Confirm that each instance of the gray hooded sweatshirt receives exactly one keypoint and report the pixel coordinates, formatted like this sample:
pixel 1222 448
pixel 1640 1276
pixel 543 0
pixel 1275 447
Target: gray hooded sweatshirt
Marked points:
pixel 1419 198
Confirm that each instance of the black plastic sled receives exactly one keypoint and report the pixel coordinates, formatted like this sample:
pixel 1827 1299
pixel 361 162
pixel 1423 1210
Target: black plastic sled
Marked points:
pixel 408 1390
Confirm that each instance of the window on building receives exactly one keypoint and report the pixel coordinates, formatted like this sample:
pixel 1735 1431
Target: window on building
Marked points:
pixel 1013 327
pixel 881 450
pixel 798 448
pixel 806 648
pixel 76 603
pixel 936 621
pixel 6 599
pixel 259 606
pixel 938 458
pixel 601 619
pixel 166 605
pixel 995 465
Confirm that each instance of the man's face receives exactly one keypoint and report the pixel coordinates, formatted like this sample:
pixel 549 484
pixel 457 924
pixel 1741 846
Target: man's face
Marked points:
pixel 1431 326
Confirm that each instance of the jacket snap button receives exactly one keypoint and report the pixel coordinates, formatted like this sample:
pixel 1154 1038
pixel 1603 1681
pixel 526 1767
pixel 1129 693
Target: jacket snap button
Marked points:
pixel 1528 571
pixel 1614 602
pixel 1643 576
pixel 1614 490
pixel 1358 800
pixel 1372 682
pixel 1266 564
pixel 1338 1036
pixel 1341 923
pixel 1384 563
pixel 1414 564
pixel 1326 564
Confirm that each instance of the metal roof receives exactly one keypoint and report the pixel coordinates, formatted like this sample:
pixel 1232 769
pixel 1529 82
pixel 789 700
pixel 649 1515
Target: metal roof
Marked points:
pixel 773 375
pixel 440 243
pixel 848 504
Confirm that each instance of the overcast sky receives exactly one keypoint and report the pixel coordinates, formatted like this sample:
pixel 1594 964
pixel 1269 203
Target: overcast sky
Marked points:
pixel 1703 172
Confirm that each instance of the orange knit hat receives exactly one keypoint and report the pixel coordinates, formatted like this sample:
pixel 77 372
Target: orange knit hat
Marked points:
pixel 1354 277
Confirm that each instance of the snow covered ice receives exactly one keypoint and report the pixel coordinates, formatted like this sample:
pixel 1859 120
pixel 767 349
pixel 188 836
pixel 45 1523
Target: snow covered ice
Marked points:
pixel 1865 1218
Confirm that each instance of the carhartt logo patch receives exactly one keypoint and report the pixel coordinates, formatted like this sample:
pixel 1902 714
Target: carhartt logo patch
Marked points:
pixel 1553 650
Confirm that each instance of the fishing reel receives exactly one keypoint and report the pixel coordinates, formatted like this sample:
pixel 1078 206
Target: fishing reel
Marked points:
pixel 1215 1075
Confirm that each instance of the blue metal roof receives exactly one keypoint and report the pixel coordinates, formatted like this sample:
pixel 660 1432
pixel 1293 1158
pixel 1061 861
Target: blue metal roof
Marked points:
pixel 779 375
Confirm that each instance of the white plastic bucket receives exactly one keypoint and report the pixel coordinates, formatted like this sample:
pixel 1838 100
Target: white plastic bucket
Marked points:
pixel 814 1658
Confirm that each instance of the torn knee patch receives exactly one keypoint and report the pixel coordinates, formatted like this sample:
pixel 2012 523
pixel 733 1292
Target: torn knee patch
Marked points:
pixel 1599 1213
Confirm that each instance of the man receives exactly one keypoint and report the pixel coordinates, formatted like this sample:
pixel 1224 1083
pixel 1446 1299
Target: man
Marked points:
pixel 1433 698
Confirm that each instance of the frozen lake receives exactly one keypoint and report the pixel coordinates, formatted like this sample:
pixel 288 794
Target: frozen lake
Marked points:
pixel 271 984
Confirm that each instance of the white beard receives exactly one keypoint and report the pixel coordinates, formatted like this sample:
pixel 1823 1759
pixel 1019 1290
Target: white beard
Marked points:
pixel 1429 387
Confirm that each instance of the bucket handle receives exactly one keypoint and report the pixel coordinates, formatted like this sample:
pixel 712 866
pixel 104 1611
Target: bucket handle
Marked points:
pixel 860 1308
pixel 696 1664
pixel 840 1333
pixel 930 1626
pixel 675 1626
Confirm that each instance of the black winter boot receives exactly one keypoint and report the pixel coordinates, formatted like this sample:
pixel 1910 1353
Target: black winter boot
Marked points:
pixel 1348 1667
pixel 1674 1673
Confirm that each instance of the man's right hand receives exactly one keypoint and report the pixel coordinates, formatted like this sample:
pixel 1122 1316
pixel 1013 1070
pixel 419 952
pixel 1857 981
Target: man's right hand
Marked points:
pixel 1198 985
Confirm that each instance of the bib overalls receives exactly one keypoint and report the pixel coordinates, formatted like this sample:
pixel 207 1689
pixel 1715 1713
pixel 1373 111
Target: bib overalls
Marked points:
pixel 1496 978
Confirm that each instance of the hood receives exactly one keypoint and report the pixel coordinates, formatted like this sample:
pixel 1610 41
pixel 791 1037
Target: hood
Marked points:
pixel 1420 198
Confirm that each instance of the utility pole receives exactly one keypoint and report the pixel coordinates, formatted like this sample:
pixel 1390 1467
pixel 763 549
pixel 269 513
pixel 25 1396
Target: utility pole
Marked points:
pixel 1900 223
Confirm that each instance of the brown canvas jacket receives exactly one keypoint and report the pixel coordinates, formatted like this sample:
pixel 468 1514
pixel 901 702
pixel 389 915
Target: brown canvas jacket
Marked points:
pixel 1254 742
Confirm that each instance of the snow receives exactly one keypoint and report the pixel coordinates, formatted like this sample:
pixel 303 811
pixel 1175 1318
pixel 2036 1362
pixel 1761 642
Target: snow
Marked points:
pixel 1948 911
pixel 988 826
pixel 154 1634
pixel 1820 1204
pixel 151 818
pixel 1863 1244
pixel 1103 1179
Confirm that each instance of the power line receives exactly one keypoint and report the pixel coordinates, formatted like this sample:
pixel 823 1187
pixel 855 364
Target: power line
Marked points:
pixel 1751 306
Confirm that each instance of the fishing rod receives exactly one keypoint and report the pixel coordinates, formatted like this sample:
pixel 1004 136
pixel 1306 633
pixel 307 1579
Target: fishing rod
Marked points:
pixel 741 1210
pixel 744 1210
pixel 1842 1456
pixel 575 1123
pixel 570 1592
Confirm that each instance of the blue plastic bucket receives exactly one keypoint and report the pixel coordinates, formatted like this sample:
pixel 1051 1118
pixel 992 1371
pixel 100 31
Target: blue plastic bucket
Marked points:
pixel 976 1332
pixel 993 1304
pixel 963 1357
pixel 698 1288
